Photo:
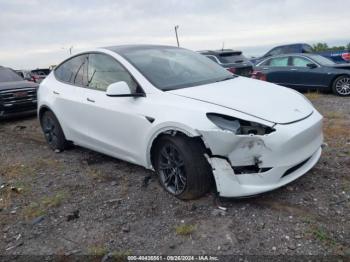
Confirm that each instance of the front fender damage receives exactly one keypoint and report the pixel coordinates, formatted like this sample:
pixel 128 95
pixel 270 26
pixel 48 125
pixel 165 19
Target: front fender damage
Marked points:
pixel 227 151
pixel 240 150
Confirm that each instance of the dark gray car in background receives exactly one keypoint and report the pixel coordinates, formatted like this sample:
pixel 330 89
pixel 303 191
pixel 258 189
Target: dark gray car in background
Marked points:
pixel 17 96
pixel 233 61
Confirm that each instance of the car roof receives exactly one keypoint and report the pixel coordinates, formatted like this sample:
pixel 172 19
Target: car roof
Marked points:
pixel 294 54
pixel 290 45
pixel 218 52
pixel 124 48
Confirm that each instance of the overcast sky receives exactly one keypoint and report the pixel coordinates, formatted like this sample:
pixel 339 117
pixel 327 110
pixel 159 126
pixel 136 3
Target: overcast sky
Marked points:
pixel 39 33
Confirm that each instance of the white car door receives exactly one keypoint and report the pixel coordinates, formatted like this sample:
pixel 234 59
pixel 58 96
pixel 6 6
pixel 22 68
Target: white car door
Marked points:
pixel 71 76
pixel 115 125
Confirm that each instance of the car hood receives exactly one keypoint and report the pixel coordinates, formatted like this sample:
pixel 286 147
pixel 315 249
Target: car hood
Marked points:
pixel 257 98
pixel 342 66
pixel 16 84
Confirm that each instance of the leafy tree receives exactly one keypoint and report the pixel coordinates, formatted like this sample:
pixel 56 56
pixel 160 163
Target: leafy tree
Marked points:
pixel 348 46
pixel 319 47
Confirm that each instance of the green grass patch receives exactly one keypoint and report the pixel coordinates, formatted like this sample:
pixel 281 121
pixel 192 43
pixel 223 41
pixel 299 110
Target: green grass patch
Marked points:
pixel 185 230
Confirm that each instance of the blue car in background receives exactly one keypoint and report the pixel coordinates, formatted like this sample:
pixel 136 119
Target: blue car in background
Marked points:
pixel 336 56
pixel 305 72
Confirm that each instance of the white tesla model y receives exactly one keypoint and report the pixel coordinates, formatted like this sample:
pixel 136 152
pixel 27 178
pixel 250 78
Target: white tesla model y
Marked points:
pixel 177 112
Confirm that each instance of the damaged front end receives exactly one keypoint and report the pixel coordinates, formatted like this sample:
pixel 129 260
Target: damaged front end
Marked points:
pixel 249 158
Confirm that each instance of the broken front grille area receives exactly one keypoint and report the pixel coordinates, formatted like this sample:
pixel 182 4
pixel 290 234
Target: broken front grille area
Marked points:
pixel 20 96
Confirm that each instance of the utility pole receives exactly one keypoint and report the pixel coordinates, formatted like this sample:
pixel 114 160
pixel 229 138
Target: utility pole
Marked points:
pixel 177 37
pixel 70 50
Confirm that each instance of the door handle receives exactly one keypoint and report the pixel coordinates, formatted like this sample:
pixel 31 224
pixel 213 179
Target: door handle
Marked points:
pixel 293 69
pixel 55 92
pixel 90 100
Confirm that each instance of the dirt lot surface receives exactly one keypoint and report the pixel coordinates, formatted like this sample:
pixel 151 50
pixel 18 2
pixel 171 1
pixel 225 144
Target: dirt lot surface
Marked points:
pixel 82 202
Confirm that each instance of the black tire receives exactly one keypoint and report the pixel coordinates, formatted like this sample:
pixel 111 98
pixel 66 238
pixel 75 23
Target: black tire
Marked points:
pixel 195 167
pixel 53 132
pixel 341 85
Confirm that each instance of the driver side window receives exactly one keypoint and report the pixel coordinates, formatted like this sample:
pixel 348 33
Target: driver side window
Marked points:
pixel 103 70
pixel 300 62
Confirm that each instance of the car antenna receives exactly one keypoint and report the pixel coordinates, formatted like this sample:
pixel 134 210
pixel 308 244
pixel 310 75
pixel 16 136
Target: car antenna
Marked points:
pixel 223 45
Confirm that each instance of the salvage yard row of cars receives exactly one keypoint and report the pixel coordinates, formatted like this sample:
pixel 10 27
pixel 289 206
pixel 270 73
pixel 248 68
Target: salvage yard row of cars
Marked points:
pixel 185 116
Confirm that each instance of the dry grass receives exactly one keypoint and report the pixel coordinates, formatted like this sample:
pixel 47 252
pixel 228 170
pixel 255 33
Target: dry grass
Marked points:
pixel 16 190
pixel 336 132
pixel 19 177
pixel 97 251
pixel 184 230
pixel 55 200
pixel 119 256
pixel 17 170
pixel 312 95
pixel 39 208
pixel 33 210
pixel 334 115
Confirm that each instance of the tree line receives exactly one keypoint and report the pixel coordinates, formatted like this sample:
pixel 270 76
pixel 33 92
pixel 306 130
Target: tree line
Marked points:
pixel 319 47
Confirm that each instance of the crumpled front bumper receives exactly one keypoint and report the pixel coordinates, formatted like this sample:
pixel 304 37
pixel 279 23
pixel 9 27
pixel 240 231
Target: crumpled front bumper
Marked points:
pixel 282 156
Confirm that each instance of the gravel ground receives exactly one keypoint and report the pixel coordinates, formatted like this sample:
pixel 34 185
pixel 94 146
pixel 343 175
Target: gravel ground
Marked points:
pixel 82 202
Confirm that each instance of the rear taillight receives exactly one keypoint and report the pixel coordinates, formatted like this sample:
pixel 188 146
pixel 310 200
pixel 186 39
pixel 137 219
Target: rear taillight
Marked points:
pixel 35 78
pixel 259 75
pixel 346 56
pixel 231 69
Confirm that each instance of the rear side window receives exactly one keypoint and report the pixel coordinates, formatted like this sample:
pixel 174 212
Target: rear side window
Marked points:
pixel 72 71
pixel 307 49
pixel 275 51
pixel 231 58
pixel 279 61
pixel 212 58
pixel 290 49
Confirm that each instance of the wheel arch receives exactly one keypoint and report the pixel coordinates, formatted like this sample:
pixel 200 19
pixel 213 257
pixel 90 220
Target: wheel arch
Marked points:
pixel 335 77
pixel 172 131
pixel 42 110
pixel 45 108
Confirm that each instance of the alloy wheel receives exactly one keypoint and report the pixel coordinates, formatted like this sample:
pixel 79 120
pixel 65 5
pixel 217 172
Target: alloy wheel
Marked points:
pixel 343 86
pixel 172 170
pixel 50 130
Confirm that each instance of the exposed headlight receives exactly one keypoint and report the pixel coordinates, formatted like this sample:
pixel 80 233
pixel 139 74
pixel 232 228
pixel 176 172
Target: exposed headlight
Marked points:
pixel 239 126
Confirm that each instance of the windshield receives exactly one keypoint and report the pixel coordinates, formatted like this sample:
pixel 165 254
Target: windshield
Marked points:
pixel 322 60
pixel 169 68
pixel 7 75
pixel 232 58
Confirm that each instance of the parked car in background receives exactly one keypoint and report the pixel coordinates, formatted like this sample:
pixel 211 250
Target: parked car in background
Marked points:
pixel 233 61
pixel 39 75
pixel 336 56
pixel 17 96
pixel 25 74
pixel 175 111
pixel 304 72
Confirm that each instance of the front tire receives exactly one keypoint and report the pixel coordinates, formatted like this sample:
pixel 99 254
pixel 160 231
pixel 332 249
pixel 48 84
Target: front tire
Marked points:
pixel 53 132
pixel 341 86
pixel 182 167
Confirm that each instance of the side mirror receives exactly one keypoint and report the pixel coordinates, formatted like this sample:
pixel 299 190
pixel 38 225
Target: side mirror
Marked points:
pixel 118 89
pixel 121 89
pixel 311 65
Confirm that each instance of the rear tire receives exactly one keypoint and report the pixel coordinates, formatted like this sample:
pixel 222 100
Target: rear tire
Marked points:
pixel 53 132
pixel 341 85
pixel 182 167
